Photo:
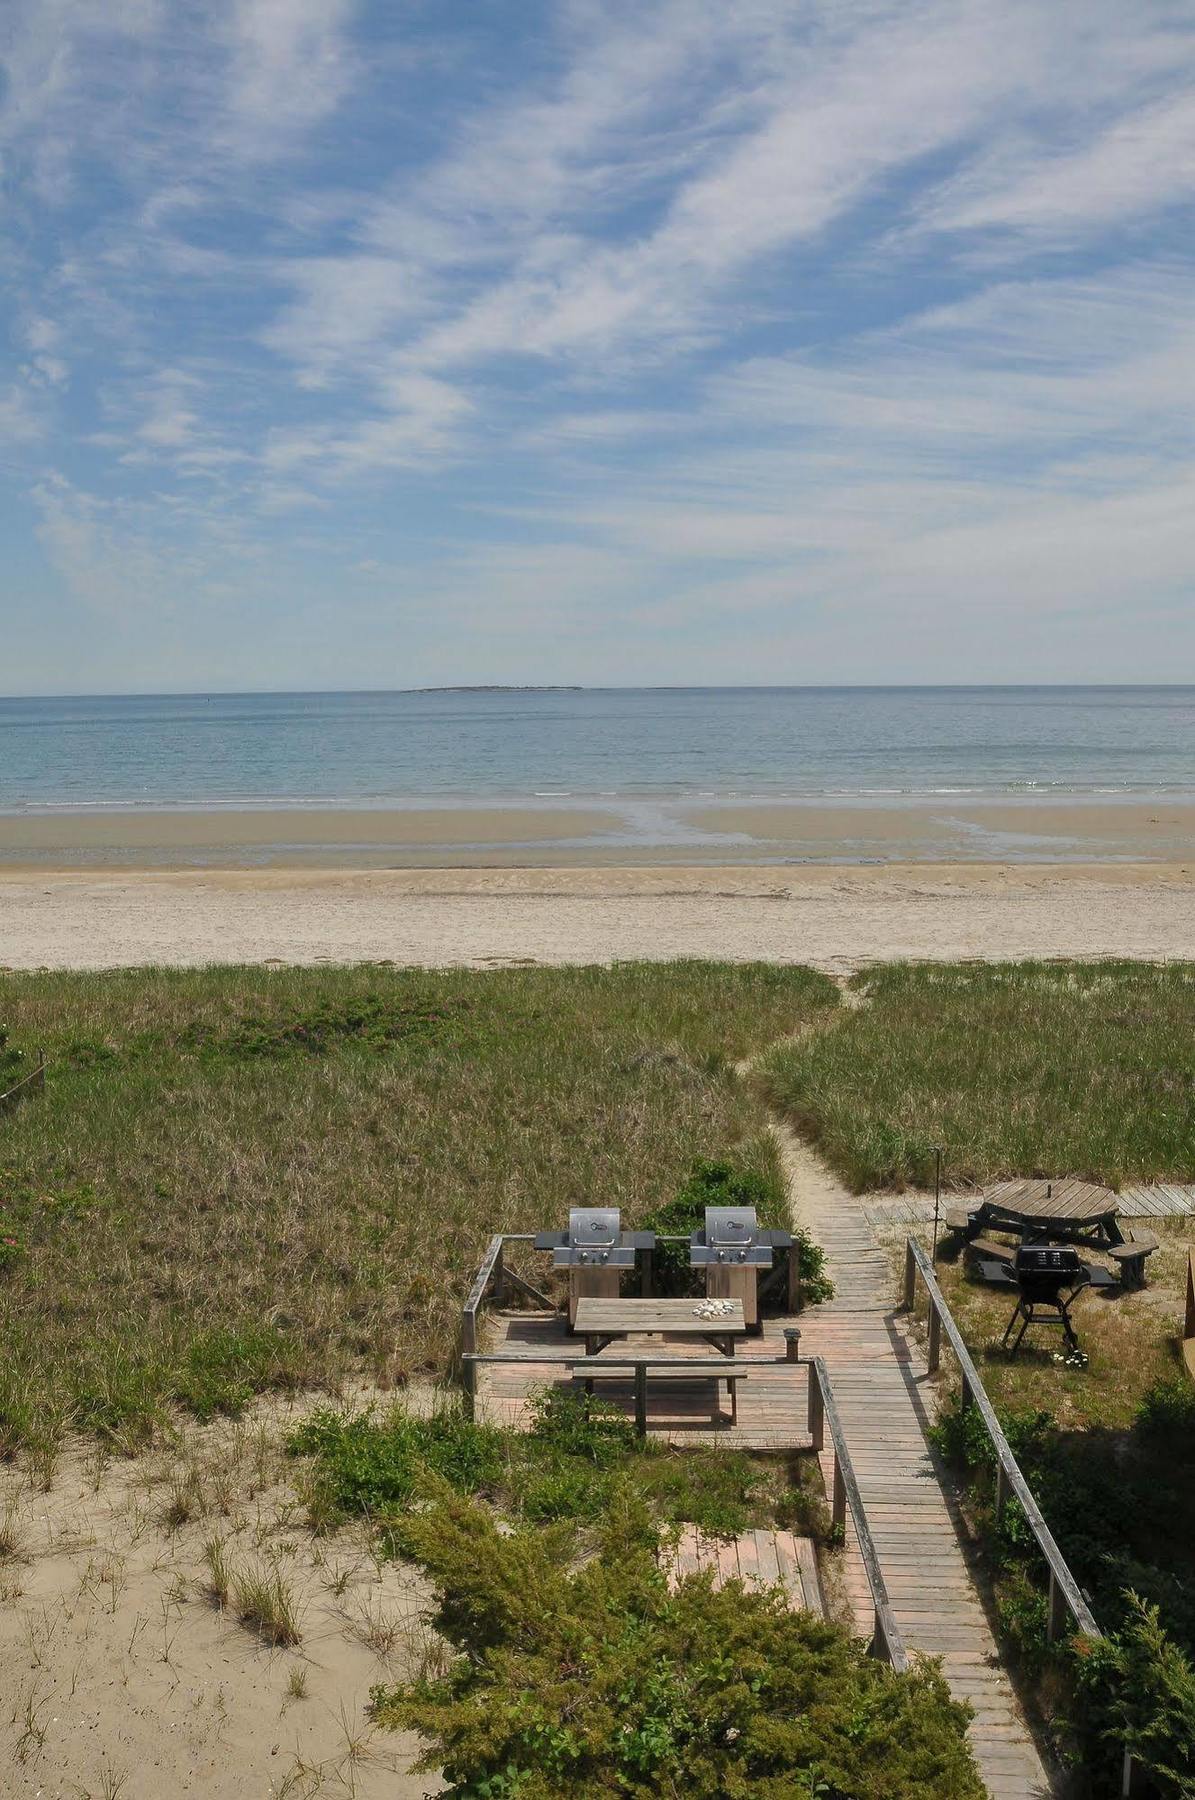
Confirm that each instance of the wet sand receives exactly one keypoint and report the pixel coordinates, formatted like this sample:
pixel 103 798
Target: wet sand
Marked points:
pixel 612 833
pixel 833 917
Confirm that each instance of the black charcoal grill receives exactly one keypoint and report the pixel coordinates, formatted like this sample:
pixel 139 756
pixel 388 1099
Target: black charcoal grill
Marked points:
pixel 1049 1278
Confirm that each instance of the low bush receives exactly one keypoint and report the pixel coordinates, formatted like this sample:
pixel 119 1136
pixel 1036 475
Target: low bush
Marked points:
pixel 1136 1691
pixel 719 1183
pixel 564 1469
pixel 13 1066
pixel 1121 1506
pixel 605 1682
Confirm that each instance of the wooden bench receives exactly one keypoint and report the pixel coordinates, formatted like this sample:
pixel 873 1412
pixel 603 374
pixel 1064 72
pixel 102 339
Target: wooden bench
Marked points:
pixel 992 1249
pixel 960 1217
pixel 681 1368
pixel 1139 1243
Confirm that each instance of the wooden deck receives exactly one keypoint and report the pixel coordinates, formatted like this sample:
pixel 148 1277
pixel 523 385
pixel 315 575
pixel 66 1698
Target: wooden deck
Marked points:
pixel 1154 1201
pixel 772 1402
pixel 883 1392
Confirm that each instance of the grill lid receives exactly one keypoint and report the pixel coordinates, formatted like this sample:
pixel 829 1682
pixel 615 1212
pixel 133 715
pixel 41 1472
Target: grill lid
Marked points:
pixel 1046 1259
pixel 731 1235
pixel 594 1237
pixel 593 1225
pixel 730 1226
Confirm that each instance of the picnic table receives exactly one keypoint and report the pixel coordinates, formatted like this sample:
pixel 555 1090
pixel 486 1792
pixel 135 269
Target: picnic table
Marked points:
pixel 1068 1211
pixel 601 1320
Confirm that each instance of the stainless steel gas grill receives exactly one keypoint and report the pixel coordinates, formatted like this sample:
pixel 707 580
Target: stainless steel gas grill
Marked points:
pixel 732 1250
pixel 594 1250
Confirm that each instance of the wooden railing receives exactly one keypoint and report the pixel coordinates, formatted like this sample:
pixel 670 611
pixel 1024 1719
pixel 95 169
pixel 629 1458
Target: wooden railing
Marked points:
pixel 496 1275
pixel 1065 1600
pixel 886 1640
pixel 32 1083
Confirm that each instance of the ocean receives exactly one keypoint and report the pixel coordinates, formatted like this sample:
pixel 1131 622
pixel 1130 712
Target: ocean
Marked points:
pixel 448 746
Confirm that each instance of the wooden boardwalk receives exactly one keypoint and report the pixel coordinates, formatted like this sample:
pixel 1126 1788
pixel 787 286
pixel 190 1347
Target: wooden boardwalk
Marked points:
pixel 1155 1201
pixel 882 1388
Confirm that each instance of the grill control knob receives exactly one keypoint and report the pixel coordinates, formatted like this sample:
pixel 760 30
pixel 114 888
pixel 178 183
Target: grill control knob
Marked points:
pixel 584 1256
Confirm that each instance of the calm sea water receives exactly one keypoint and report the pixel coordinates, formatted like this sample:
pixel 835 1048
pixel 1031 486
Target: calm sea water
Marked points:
pixel 291 749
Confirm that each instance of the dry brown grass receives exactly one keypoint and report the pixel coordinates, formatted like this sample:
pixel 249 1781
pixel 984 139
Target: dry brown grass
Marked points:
pixel 240 1179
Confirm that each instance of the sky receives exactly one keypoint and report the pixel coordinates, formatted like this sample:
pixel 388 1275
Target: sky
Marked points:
pixel 668 341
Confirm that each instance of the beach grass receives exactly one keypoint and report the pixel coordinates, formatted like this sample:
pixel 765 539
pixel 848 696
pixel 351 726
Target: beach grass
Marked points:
pixel 249 1179
pixel 1047 1069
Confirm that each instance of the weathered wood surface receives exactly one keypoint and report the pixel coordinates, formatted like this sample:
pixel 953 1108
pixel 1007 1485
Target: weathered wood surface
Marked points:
pixel 772 1408
pixel 1189 1323
pixel 598 1317
pixel 1156 1200
pixel 1077 1201
pixel 757 1559
pixel 885 1400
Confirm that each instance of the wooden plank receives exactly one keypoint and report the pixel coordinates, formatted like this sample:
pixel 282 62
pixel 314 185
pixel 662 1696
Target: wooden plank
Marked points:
pixel 766 1558
pixel 597 1316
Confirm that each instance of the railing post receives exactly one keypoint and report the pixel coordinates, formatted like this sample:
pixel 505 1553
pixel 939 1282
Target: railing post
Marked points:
pixel 817 1412
pixel 934 1353
pixel 838 1504
pixel 794 1278
pixel 499 1277
pixel 469 1348
pixel 910 1276
pixel 792 1343
pixel 1057 1611
pixel 1001 1489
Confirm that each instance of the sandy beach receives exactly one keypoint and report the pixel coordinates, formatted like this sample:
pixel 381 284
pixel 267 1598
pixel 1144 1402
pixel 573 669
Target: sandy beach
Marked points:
pixel 836 918
pixel 639 833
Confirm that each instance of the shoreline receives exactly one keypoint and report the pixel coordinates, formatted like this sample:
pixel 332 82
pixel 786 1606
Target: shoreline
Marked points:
pixel 552 832
pixel 832 917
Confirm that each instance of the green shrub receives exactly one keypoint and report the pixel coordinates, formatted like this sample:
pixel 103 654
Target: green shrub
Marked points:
pixel 1136 1690
pixel 712 1183
pixel 1122 1508
pixel 365 1467
pixel 563 1468
pixel 12 1063
pixel 601 1682
pixel 222 1370
pixel 1167 1416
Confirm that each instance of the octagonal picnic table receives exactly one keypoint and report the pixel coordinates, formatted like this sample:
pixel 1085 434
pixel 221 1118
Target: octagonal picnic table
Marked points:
pixel 1069 1211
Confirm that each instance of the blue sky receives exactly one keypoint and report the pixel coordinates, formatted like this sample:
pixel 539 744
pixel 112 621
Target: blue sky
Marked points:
pixel 376 345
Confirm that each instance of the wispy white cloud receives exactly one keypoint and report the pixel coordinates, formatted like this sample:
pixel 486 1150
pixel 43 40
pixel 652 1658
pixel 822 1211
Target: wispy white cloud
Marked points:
pixel 290 64
pixel 617 313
